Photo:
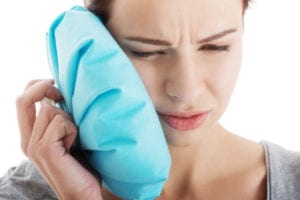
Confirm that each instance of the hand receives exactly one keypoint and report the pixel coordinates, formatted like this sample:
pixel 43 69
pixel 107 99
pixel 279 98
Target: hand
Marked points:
pixel 46 139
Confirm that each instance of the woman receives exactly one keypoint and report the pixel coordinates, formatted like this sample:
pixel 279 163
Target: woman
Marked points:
pixel 188 54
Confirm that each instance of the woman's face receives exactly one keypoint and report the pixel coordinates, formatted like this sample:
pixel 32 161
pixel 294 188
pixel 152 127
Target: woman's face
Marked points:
pixel 188 54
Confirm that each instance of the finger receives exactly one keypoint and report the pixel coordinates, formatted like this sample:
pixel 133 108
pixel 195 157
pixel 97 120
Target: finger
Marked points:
pixel 65 174
pixel 26 102
pixel 41 89
pixel 40 148
pixel 61 129
pixel 53 146
pixel 46 115
pixel 32 82
pixel 59 162
pixel 26 111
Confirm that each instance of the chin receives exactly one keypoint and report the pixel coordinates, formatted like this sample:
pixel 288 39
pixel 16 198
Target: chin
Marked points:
pixel 182 138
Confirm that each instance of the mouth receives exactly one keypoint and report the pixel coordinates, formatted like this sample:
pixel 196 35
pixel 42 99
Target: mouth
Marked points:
pixel 184 121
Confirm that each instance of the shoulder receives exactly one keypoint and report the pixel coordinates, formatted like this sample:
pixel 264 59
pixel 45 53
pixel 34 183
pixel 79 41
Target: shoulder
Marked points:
pixel 24 182
pixel 283 168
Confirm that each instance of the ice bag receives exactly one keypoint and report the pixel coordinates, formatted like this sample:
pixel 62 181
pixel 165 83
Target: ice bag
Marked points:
pixel 119 130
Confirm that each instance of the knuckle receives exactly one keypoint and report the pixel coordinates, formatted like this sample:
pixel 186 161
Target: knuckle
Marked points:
pixel 40 151
pixel 45 84
pixel 73 127
pixel 31 82
pixel 55 114
pixel 48 110
pixel 37 151
pixel 36 81
pixel 59 119
pixel 20 100
pixel 63 123
pixel 30 151
pixel 24 147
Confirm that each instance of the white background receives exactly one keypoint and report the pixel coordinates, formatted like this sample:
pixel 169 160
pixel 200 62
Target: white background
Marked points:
pixel 265 104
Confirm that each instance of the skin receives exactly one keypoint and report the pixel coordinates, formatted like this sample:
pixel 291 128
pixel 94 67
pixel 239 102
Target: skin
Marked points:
pixel 184 74
pixel 201 79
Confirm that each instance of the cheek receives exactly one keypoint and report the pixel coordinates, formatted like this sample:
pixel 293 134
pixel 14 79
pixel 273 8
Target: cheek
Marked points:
pixel 223 79
pixel 150 78
pixel 226 83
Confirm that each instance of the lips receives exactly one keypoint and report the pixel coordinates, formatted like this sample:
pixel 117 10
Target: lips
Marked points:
pixel 184 121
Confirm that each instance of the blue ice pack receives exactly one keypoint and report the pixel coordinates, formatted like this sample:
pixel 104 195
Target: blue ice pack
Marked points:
pixel 119 130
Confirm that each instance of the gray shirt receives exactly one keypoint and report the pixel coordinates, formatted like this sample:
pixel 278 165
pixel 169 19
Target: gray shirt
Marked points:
pixel 283 178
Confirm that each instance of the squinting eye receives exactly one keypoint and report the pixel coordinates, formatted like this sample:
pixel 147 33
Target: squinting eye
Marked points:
pixel 212 47
pixel 146 54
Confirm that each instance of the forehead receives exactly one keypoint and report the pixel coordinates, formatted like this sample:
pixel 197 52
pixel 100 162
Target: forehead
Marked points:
pixel 147 16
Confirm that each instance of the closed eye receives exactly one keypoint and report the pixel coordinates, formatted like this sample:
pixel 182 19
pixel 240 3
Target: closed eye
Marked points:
pixel 214 48
pixel 207 48
pixel 146 54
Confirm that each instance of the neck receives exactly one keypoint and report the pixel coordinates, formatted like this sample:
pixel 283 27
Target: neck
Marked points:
pixel 197 160
pixel 221 162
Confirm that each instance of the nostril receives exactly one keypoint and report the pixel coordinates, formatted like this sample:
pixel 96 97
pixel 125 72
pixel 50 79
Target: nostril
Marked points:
pixel 175 97
pixel 185 93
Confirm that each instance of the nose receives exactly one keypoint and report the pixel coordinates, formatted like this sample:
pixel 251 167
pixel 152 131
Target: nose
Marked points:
pixel 185 82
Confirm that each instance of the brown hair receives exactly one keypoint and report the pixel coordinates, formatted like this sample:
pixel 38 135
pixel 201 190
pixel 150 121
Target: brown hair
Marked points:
pixel 101 7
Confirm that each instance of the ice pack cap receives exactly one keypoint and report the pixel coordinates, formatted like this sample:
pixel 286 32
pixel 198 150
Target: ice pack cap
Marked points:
pixel 119 130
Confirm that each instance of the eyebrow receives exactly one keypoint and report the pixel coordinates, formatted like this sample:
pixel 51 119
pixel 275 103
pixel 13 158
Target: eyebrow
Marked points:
pixel 167 43
pixel 217 36
pixel 149 41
